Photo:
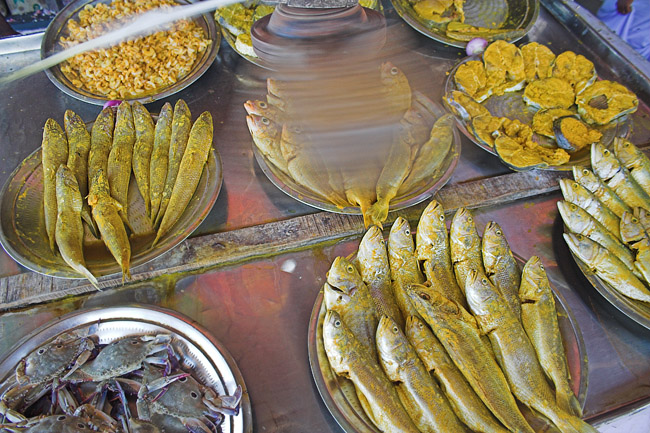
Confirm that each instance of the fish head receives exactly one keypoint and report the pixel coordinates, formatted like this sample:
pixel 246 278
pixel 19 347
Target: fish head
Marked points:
pixel 603 162
pixel 575 218
pixel 334 298
pixel 573 191
pixel 392 346
pixel 462 231
pixel 428 301
pixel 585 177
pixel 391 75
pixel 337 339
pixel 494 241
pixel 581 246
pixel 533 278
pixel 625 151
pixel 431 231
pixel 98 187
pixel 344 276
pixel 256 107
pixel 631 228
pixel 417 331
pixel 372 247
pixel 400 237
pixel 262 127
pixel 482 297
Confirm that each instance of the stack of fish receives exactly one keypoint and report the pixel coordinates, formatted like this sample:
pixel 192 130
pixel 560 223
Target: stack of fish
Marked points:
pixel 97 165
pixel 606 213
pixel 413 158
pixel 492 338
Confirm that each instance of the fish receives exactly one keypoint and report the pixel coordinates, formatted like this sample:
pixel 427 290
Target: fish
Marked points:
pixel 422 398
pixel 264 109
pixel 643 216
pixel 465 246
pixel 54 153
pixel 191 165
pixel 396 88
pixel 593 184
pixel 120 157
pixel 635 161
pixel 181 125
pixel 403 262
pixel 106 213
pixel 101 141
pixel 372 259
pixel 432 250
pixel 575 193
pixel 500 266
pixel 69 229
pixel 266 136
pixel 376 394
pixel 466 404
pixel 539 319
pixel 142 149
pixel 458 332
pixel 78 149
pixel 160 158
pixel 607 266
pixel 631 229
pixel 516 354
pixel 346 293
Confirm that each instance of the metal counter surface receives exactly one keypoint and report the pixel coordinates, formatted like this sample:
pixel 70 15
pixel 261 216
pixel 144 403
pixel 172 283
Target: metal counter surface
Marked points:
pixel 260 309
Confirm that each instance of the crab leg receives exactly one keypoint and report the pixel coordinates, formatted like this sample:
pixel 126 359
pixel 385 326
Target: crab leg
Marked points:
pixel 225 404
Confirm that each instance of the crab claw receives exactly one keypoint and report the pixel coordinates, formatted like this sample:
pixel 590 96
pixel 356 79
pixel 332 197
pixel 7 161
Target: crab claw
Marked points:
pixel 195 425
pixel 225 404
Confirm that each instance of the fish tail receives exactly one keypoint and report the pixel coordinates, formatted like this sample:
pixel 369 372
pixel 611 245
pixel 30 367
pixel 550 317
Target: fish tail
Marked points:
pixel 568 402
pixel 126 273
pixel 86 273
pixel 571 424
pixel 376 214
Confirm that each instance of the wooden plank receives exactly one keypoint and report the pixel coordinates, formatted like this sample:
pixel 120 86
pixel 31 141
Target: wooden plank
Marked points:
pixel 229 248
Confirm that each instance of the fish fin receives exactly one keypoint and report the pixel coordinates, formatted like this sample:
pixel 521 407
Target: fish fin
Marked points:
pixel 376 214
pixel 88 219
pixel 86 273
pixel 126 222
pixel 366 406
pixel 568 402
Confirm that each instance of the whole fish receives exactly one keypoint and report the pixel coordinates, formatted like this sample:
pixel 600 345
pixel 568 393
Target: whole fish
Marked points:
pixel 539 318
pixel 466 404
pixel 120 157
pixel 181 125
pixel 575 193
pixel 465 246
pixel 609 169
pixel 635 161
pixel 264 109
pixel 69 229
pixel 377 396
pixel 142 149
pixel 101 141
pixel 106 213
pixel 500 266
pixel 459 334
pixel 592 183
pixel 607 266
pixel 516 354
pixel 346 293
pixel 160 158
pixel 266 136
pixel 396 88
pixel 55 153
pixel 433 251
pixel 403 262
pixel 420 395
pixel 191 166
pixel 631 229
pixel 375 271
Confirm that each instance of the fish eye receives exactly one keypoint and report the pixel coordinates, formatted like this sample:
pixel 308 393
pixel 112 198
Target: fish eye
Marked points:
pixel 340 298
pixel 395 329
pixel 498 232
pixel 263 104
pixel 484 280
pixel 541 266
pixel 265 121
pixel 383 242
pixel 470 219
pixel 407 232
pixel 394 70
pixel 337 323
pixel 425 296
pixel 350 269
pixel 585 171
pixel 606 152
pixel 441 217
pixel 194 395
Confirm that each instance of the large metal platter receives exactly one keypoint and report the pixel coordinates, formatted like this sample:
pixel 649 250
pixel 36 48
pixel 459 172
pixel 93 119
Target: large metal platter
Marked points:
pixel 518 15
pixel 202 355
pixel 512 106
pixel 340 397
pixel 56 29
pixel 22 222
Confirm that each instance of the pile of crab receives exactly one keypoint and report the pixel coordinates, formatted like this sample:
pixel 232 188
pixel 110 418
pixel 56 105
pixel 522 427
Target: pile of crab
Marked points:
pixel 134 384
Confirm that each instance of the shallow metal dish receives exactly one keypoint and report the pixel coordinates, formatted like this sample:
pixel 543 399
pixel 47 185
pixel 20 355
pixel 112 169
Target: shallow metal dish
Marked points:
pixel 22 222
pixel 202 355
pixel 56 29
pixel 339 394
pixel 518 15
pixel 512 106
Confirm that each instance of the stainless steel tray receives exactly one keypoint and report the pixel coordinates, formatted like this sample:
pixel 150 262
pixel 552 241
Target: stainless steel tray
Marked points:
pixel 340 397
pixel 202 355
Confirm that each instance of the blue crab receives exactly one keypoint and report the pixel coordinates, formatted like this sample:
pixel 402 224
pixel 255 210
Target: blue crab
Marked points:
pixel 51 424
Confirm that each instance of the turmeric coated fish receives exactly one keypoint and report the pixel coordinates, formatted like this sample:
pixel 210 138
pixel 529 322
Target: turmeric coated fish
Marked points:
pixel 159 158
pixel 465 246
pixel 101 141
pixel 403 262
pixel 592 183
pixel 144 137
pixel 266 136
pixel 55 153
pixel 120 157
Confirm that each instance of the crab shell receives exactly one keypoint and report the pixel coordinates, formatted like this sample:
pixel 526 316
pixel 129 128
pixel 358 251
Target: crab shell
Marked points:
pixel 51 424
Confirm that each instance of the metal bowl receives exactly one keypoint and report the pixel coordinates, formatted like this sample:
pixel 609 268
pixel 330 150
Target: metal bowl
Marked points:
pixel 57 28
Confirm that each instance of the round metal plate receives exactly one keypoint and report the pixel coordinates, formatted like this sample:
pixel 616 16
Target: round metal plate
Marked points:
pixel 22 222
pixel 202 355
pixel 512 106
pixel 340 396
pixel 56 29
pixel 518 15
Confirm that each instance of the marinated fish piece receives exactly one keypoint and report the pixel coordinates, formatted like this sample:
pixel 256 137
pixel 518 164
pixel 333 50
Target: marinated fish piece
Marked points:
pixel 434 253
pixel 160 158
pixel 403 262
pixel 504 67
pixel 500 266
pixel 575 69
pixel 459 334
pixel 264 109
pixel 142 149
pixel 464 245
pixel 106 213
pixel 605 101
pixel 420 395
pixel 549 93
pixel 101 141
pixel 266 136
pixel 54 154
pixel 575 193
pixel 196 154
pixel 347 294
pixel 528 154
pixel 372 259
pixel 543 120
pixel 486 127
pixel 120 158
pixel 608 267
pixel 465 32
pixel 592 183
pixel 470 78
pixel 440 11
pixel 635 161
pixel 539 318
pixel 572 134
pixel 396 88
pixel 538 61
pixel 69 230
pixel 376 394
pixel 463 106
pixel 466 404
pixel 516 354
pixel 236 18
